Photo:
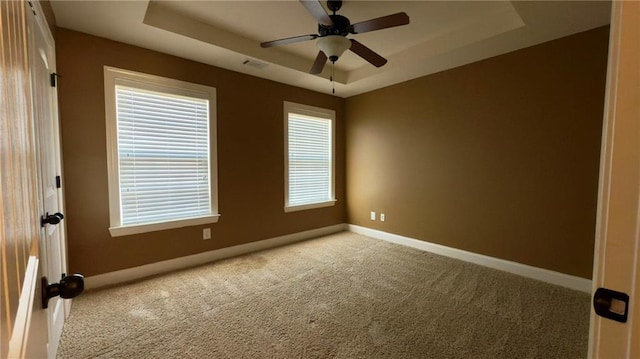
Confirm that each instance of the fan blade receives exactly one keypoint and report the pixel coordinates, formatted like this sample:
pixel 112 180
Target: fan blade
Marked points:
pixel 366 53
pixel 315 8
pixel 289 40
pixel 380 23
pixel 318 65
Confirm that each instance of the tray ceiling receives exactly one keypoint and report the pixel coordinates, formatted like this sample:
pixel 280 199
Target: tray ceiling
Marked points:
pixel 441 35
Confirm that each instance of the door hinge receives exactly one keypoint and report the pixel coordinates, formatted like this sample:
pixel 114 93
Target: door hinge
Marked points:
pixel 52 78
pixel 32 9
pixel 58 182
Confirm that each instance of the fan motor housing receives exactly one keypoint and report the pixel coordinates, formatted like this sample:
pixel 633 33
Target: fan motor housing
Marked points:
pixel 341 26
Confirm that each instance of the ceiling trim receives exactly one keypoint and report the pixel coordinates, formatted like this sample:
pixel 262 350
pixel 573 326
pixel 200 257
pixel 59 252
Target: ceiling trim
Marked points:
pixel 162 17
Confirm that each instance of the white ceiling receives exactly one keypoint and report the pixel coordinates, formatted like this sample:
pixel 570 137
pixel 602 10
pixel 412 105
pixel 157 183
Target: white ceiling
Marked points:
pixel 441 35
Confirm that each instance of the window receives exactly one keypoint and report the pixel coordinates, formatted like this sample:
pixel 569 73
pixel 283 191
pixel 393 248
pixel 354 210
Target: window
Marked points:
pixel 161 143
pixel 309 177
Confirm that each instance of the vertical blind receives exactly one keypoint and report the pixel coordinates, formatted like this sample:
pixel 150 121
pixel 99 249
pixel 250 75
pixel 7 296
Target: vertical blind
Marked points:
pixel 163 153
pixel 310 167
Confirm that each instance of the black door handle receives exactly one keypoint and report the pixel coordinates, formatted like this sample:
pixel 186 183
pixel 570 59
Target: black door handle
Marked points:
pixel 70 286
pixel 611 304
pixel 52 219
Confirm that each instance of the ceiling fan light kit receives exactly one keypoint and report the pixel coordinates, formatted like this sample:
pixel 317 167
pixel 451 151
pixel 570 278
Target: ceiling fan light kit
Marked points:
pixel 333 46
pixel 333 30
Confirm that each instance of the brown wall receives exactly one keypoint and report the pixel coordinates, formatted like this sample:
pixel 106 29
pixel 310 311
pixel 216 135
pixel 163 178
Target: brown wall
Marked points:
pixel 250 157
pixel 499 157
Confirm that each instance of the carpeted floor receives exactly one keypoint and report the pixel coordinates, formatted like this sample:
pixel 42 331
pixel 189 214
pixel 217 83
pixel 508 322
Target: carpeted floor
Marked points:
pixel 344 295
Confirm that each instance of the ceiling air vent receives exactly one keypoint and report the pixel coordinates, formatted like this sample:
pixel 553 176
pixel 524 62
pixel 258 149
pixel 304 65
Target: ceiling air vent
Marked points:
pixel 255 63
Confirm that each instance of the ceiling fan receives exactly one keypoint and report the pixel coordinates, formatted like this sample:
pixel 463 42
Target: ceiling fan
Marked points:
pixel 333 30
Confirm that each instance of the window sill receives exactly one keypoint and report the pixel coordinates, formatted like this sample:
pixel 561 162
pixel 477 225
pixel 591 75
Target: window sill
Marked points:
pixel 309 206
pixel 152 227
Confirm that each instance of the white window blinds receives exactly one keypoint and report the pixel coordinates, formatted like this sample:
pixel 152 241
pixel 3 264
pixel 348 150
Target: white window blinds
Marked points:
pixel 163 155
pixel 310 157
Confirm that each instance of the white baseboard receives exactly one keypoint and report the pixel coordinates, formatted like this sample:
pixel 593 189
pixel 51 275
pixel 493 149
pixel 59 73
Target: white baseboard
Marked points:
pixel 130 274
pixel 545 275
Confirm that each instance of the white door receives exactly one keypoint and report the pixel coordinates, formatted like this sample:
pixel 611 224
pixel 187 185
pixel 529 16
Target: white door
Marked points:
pixel 52 239
pixel 616 261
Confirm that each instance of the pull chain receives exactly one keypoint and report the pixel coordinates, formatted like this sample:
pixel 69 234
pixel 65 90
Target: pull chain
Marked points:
pixel 333 84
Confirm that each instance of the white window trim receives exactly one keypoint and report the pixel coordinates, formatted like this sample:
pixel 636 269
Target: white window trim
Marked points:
pixel 113 76
pixel 314 112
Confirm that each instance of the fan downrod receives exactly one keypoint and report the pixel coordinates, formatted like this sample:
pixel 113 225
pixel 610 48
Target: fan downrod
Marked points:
pixel 334 5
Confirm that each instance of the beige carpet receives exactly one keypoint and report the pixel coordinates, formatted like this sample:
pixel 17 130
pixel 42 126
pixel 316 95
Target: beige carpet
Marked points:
pixel 345 296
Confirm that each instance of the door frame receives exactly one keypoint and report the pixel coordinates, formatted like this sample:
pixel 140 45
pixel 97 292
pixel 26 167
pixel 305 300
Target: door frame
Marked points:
pixel 616 264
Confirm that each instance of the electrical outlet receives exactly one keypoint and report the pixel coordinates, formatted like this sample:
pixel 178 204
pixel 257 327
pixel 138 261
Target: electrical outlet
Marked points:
pixel 373 216
pixel 381 217
pixel 206 233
